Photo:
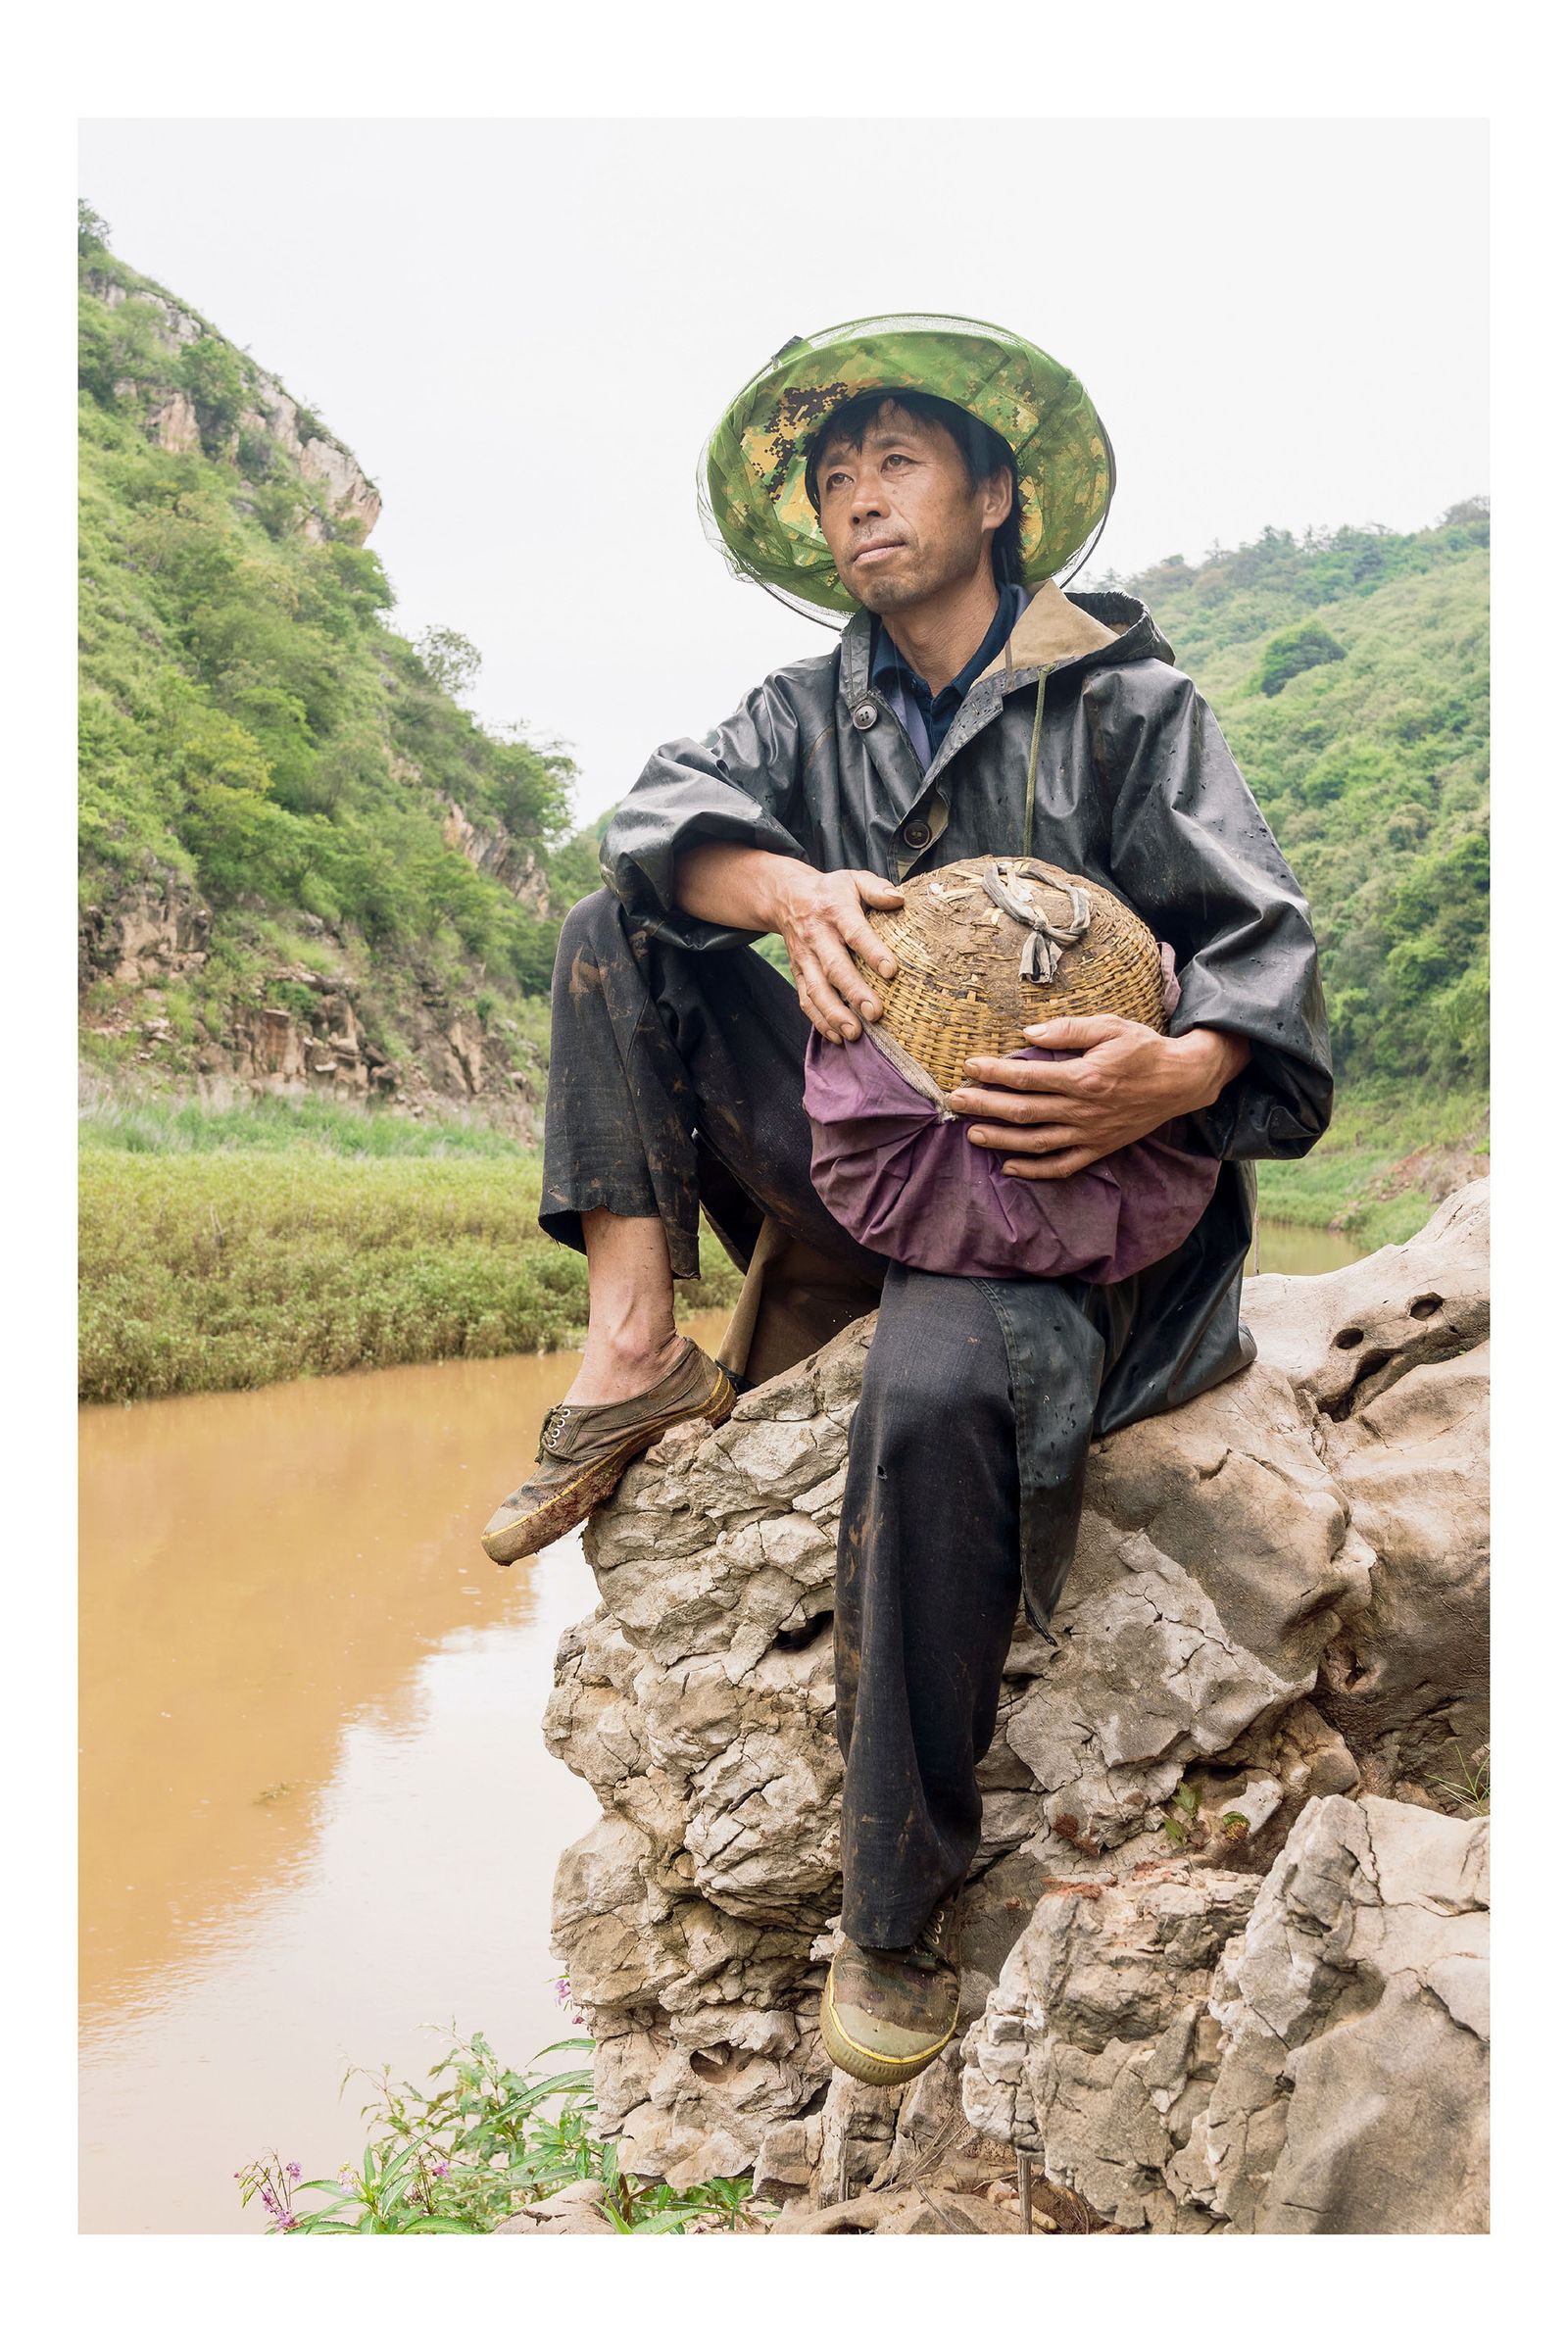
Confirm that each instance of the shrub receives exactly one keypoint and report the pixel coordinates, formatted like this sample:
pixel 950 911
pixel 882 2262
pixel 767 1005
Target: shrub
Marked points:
pixel 210 371
pixel 1293 651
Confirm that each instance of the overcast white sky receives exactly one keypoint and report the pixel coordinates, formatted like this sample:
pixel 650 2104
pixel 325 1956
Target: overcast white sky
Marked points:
pixel 526 329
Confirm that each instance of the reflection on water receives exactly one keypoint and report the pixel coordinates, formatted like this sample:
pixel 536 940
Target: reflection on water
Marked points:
pixel 316 1812
pixel 1303 1248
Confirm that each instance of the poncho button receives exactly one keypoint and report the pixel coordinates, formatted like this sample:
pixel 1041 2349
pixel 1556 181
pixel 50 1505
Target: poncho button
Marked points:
pixel 865 716
pixel 917 833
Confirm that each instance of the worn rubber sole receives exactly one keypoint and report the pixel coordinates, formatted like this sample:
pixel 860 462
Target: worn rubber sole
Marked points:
pixel 570 1505
pixel 867 2065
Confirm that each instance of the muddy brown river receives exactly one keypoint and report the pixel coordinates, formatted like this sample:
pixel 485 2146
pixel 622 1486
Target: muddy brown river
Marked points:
pixel 317 1818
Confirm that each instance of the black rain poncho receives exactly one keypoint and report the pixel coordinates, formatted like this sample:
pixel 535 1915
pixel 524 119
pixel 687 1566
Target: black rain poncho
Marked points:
pixel 1137 789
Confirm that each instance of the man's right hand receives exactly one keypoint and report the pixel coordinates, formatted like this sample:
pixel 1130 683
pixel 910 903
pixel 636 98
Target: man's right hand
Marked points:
pixel 820 919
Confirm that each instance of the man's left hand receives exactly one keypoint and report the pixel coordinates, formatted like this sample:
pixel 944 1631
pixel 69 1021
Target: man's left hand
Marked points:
pixel 1123 1080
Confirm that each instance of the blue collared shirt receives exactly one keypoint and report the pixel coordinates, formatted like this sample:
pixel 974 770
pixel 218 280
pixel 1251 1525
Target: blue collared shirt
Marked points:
pixel 926 716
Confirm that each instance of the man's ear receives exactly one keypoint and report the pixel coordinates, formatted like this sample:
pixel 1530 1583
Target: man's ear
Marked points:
pixel 998 498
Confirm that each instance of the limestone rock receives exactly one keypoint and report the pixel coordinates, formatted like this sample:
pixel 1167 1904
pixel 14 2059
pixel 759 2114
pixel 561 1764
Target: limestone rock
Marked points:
pixel 904 2213
pixel 574 2211
pixel 1391 1357
pixel 491 850
pixel 1277 1606
pixel 154 929
pixel 1096 2050
pixel 174 426
pixel 1194 2051
pixel 1351 2094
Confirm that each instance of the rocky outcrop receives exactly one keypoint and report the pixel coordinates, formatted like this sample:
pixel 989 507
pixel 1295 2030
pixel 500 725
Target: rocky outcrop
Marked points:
pixel 1276 1617
pixel 174 426
pixel 295 1029
pixel 1193 2049
pixel 281 1049
pixel 154 929
pixel 491 850
pixel 1350 2092
pixel 320 457
pixel 270 410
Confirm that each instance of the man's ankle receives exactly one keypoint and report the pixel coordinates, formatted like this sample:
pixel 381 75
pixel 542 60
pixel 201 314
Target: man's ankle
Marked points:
pixel 617 1368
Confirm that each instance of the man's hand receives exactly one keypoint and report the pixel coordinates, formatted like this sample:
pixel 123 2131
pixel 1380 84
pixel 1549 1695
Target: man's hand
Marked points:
pixel 820 917
pixel 1053 1119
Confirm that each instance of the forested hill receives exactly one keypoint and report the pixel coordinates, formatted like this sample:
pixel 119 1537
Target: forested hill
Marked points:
pixel 1349 672
pixel 302 859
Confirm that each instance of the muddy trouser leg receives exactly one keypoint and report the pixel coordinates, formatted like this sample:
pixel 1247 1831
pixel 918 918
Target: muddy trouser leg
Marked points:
pixel 676 1080
pixel 928 1584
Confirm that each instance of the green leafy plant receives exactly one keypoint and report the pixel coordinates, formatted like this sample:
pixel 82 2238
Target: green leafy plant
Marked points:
pixel 482 2142
pixel 653 2208
pixel 1181 1821
pixel 455 2157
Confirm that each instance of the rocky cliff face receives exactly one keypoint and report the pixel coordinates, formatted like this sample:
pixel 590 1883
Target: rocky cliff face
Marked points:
pixel 491 850
pixel 296 1030
pixel 1224 1805
pixel 270 410
pixel 329 1022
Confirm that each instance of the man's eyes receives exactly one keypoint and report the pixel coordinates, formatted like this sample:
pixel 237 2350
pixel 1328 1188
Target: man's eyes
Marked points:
pixel 836 481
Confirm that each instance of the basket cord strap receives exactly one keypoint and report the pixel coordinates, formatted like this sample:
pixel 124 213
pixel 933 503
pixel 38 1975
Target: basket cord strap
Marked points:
pixel 1044 941
pixel 1034 770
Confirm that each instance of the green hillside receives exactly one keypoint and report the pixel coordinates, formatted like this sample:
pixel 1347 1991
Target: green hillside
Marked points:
pixel 258 742
pixel 1349 672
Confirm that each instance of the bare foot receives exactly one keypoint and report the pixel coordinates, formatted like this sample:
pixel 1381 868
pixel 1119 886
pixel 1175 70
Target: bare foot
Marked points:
pixel 614 1372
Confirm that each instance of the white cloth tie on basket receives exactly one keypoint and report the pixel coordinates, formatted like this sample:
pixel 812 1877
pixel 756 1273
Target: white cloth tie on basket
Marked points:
pixel 1046 941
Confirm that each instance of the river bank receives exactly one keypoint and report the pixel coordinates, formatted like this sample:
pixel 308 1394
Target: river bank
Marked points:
pixel 1387 1160
pixel 233 1248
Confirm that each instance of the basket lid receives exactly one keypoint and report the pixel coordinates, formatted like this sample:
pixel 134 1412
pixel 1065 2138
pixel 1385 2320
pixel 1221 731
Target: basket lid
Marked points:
pixel 988 945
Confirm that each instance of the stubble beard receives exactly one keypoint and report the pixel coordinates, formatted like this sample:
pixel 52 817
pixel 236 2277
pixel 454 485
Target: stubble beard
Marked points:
pixel 882 593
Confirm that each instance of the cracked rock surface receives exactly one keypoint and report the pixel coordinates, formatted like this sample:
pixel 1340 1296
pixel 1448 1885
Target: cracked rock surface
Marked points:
pixel 1275 1626
pixel 1199 2050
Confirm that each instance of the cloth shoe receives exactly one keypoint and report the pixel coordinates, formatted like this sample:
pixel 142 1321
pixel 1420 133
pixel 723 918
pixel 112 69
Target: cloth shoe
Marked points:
pixel 886 2015
pixel 583 1448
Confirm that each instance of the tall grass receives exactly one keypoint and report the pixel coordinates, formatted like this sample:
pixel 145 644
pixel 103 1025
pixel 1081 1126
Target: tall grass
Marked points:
pixel 229 1267
pixel 275 1123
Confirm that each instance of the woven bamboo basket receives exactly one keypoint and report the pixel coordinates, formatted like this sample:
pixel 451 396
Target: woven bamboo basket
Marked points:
pixel 959 989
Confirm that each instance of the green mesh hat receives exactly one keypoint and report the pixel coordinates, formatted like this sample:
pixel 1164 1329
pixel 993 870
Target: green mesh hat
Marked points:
pixel 754 471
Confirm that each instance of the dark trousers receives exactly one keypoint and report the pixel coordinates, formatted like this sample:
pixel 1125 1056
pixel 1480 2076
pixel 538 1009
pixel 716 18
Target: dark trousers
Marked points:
pixel 675 1082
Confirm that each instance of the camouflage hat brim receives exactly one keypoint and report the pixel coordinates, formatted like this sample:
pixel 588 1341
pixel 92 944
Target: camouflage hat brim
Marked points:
pixel 754 472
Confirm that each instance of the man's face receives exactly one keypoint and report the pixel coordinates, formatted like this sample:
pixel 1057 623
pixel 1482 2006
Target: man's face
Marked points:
pixel 900 517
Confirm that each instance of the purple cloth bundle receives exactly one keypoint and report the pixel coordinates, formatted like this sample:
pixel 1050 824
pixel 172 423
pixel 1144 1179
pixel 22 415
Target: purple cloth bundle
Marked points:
pixel 908 1181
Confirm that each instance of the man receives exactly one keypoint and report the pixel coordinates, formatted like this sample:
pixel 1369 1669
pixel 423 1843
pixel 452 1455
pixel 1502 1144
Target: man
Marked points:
pixel 929 477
